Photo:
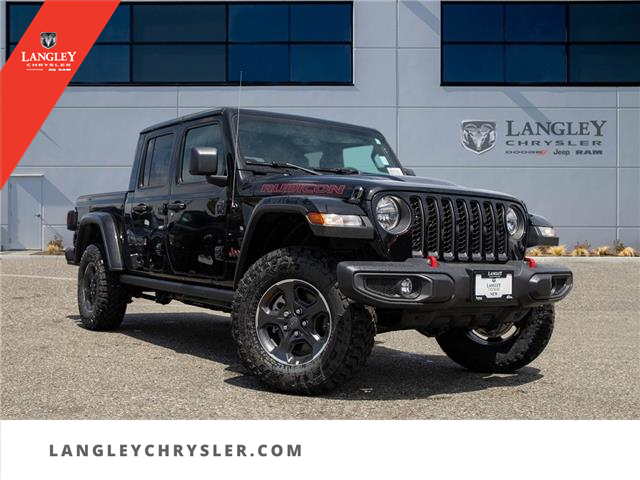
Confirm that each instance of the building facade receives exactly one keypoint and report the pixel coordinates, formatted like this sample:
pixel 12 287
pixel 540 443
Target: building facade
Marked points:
pixel 538 100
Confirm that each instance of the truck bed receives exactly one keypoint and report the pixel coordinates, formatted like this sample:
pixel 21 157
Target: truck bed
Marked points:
pixel 111 202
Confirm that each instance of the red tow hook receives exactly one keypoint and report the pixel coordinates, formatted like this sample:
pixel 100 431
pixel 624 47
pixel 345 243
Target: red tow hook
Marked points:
pixel 532 262
pixel 432 261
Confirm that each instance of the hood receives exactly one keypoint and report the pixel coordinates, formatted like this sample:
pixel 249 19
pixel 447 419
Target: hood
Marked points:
pixel 343 185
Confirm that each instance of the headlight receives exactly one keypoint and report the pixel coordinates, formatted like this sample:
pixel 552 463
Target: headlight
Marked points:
pixel 388 213
pixel 515 223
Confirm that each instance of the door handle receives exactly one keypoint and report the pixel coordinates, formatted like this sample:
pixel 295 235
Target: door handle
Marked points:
pixel 141 208
pixel 176 206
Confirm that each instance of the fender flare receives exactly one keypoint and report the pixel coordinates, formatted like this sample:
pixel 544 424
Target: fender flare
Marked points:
pixel 110 235
pixel 299 205
pixel 534 236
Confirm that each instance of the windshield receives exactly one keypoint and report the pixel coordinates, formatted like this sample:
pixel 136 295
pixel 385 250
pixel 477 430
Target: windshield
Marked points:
pixel 315 146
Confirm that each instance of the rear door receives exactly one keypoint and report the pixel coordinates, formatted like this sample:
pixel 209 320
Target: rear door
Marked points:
pixel 146 209
pixel 197 216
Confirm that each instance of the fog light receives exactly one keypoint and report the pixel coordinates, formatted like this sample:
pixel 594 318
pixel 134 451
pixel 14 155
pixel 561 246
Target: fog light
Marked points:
pixel 406 287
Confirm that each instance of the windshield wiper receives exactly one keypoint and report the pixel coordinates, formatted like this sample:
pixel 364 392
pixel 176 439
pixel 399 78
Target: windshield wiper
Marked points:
pixel 282 165
pixel 342 171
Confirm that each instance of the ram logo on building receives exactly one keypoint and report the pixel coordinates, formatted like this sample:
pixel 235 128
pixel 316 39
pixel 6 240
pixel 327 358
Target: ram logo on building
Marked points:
pixel 478 136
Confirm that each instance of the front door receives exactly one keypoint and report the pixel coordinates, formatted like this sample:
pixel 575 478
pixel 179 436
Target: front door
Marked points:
pixel 25 213
pixel 198 210
pixel 146 208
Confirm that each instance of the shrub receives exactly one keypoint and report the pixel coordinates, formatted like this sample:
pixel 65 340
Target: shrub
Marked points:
pixel 618 247
pixel 55 246
pixel 535 252
pixel 601 251
pixel 558 251
pixel 579 251
pixel 628 252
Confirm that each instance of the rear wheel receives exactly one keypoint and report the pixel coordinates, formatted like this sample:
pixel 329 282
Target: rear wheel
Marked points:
pixel 503 349
pixel 102 300
pixel 293 328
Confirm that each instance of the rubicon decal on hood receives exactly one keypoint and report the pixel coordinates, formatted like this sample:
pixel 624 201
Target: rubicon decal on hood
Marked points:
pixel 305 188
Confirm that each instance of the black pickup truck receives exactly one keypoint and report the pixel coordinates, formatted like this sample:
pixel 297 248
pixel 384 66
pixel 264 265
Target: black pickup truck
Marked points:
pixel 315 238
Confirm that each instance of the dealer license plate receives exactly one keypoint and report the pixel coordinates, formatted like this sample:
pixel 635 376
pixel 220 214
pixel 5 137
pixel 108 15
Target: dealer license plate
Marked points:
pixel 494 285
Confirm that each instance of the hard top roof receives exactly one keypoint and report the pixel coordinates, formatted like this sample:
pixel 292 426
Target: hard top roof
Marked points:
pixel 244 111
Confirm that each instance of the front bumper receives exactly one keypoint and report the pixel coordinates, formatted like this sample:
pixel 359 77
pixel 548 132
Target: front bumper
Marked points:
pixel 448 290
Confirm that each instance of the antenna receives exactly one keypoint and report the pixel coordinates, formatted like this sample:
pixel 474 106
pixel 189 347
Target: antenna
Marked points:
pixel 236 154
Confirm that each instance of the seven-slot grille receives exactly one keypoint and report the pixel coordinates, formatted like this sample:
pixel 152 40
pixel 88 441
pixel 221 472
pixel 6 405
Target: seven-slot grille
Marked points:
pixel 459 228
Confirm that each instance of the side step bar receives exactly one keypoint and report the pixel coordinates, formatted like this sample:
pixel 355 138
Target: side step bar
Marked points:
pixel 217 296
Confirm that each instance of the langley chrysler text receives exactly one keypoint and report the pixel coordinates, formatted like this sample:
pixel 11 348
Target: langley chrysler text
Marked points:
pixel 314 237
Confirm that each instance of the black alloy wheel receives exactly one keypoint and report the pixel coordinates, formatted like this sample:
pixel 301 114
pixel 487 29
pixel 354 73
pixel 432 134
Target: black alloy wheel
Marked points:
pixel 293 322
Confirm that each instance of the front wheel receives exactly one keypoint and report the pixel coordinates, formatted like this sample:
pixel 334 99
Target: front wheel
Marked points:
pixel 293 328
pixel 501 350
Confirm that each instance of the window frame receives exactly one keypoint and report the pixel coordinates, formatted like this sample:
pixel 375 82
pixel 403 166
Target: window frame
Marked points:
pixel 226 42
pixel 143 164
pixel 183 143
pixel 567 44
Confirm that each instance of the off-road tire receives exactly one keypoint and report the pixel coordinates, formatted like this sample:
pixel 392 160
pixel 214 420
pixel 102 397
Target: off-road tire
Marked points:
pixel 111 297
pixel 350 339
pixel 505 356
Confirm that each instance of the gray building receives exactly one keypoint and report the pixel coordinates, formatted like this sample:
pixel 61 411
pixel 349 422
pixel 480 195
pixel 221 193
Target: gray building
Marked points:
pixel 497 96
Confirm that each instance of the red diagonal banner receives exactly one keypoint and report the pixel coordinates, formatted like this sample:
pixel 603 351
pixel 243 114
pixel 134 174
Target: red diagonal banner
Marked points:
pixel 41 67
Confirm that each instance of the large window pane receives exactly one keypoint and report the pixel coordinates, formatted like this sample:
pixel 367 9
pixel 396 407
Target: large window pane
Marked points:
pixel 20 17
pixel 259 63
pixel 179 63
pixel 473 22
pixel 321 63
pixel 536 23
pixel 604 63
pixel 258 23
pixel 535 64
pixel 118 27
pixel 473 63
pixel 179 23
pixel 104 64
pixel 605 22
pixel 321 23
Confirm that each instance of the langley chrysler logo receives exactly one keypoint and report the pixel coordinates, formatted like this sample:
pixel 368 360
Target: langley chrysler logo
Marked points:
pixel 49 61
pixel 478 136
pixel 48 39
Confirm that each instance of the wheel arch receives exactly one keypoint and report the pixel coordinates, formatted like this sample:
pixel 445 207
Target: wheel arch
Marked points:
pixel 100 227
pixel 282 221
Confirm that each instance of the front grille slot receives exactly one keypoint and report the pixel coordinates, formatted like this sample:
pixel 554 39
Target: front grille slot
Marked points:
pixel 462 236
pixel 459 229
pixel 476 231
pixel 489 232
pixel 417 228
pixel 432 234
pixel 501 232
pixel 447 230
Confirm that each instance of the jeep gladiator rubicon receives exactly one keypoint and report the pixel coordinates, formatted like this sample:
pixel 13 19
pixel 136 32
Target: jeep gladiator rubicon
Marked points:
pixel 314 237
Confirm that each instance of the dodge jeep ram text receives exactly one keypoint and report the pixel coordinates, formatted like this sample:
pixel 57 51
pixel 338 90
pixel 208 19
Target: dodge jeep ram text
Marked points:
pixel 314 237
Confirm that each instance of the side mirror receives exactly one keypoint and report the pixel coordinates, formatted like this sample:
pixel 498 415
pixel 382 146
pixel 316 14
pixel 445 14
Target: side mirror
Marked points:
pixel 203 161
pixel 409 172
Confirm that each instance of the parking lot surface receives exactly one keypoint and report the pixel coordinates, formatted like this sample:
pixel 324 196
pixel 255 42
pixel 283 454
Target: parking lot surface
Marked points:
pixel 178 362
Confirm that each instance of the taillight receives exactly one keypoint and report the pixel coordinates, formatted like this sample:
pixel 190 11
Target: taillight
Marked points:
pixel 72 220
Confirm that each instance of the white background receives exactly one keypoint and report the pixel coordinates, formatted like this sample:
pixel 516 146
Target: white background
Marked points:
pixel 339 449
